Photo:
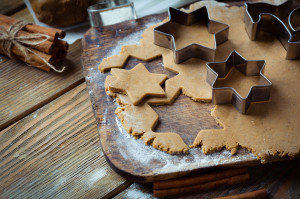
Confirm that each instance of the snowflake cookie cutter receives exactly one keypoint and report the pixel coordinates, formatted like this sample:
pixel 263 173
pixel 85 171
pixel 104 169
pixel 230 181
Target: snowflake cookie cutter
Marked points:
pixel 163 38
pixel 228 95
pixel 265 17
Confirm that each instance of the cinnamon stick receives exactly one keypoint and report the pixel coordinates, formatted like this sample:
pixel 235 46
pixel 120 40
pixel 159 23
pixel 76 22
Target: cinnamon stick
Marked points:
pixel 261 194
pixel 62 45
pixel 45 47
pixel 31 62
pixel 52 51
pixel 33 28
pixel 202 187
pixel 43 67
pixel 188 181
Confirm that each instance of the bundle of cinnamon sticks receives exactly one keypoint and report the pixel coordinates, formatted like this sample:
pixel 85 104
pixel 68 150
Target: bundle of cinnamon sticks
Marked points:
pixel 53 50
pixel 201 182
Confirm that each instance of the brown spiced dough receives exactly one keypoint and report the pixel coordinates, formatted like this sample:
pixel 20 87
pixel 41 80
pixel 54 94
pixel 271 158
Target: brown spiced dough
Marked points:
pixel 191 78
pixel 244 84
pixel 137 119
pixel 140 121
pixel 61 12
pixel 197 33
pixel 168 142
pixel 268 129
pixel 137 83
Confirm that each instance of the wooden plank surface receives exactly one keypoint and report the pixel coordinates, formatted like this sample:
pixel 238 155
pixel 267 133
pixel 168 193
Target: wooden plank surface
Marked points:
pixel 24 89
pixel 55 153
pixel 8 7
pixel 280 179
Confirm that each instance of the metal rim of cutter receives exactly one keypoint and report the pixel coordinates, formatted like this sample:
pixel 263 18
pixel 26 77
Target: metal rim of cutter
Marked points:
pixel 294 21
pixel 107 6
pixel 228 95
pixel 265 17
pixel 163 38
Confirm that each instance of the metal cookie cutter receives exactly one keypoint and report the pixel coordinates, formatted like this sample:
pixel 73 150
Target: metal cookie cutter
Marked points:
pixel 163 38
pixel 294 21
pixel 264 17
pixel 227 95
pixel 108 12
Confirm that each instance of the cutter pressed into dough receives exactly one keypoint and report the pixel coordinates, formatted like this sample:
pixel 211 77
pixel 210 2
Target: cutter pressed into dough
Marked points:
pixel 265 17
pixel 228 95
pixel 163 38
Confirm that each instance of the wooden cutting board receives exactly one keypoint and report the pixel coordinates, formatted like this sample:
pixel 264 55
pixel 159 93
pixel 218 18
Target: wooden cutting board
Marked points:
pixel 130 157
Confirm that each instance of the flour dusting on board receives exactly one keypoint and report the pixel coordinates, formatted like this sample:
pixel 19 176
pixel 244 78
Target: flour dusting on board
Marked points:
pixel 135 192
pixel 144 155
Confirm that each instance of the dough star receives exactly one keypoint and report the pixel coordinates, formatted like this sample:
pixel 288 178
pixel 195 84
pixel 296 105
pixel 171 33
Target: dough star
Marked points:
pixel 228 95
pixel 137 83
pixel 163 34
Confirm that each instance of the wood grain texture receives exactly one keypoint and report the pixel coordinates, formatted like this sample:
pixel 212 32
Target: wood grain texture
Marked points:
pixel 24 89
pixel 280 179
pixel 8 7
pixel 55 153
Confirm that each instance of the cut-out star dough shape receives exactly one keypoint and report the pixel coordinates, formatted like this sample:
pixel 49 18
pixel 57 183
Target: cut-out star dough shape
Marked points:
pixel 220 77
pixel 191 81
pixel 137 83
pixel 164 35
pixel 193 69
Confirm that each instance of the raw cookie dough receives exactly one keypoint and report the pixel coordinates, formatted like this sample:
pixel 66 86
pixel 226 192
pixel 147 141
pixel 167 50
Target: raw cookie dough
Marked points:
pixel 238 81
pixel 145 51
pixel 268 129
pixel 191 79
pixel 169 142
pixel 137 119
pixel 137 83
pixel 197 33
pixel 140 121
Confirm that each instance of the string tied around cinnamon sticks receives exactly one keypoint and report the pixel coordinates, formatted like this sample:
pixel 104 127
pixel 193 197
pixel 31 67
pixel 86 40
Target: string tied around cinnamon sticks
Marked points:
pixel 8 38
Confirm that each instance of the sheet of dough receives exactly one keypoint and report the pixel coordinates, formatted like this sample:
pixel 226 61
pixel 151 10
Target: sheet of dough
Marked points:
pixel 269 129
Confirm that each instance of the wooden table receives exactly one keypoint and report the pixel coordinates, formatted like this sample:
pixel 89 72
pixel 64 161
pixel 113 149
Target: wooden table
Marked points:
pixel 49 144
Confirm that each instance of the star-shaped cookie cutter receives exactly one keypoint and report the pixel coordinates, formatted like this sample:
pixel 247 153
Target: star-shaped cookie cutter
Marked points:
pixel 163 38
pixel 265 17
pixel 227 95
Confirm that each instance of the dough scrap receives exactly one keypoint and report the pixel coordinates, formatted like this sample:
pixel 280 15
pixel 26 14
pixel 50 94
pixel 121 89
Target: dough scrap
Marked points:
pixel 137 83
pixel 146 51
pixel 168 142
pixel 137 119
pixel 140 121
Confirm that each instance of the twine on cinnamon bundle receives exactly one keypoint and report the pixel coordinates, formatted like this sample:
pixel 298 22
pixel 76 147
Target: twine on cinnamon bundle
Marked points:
pixel 8 38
